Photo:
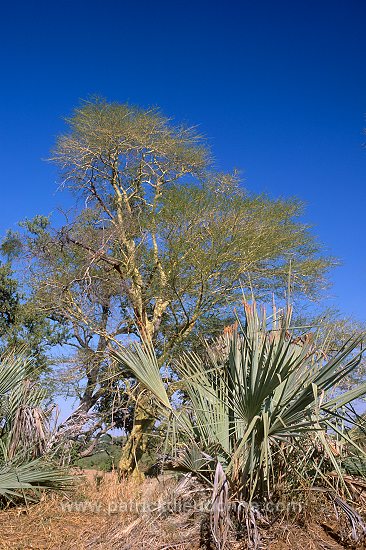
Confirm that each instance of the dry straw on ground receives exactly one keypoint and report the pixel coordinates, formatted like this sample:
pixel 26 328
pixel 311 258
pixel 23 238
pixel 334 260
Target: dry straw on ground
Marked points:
pixel 104 513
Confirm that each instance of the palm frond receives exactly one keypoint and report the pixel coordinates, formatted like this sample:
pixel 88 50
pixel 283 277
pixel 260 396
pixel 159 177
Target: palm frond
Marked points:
pixel 24 432
pixel 256 390
pixel 143 363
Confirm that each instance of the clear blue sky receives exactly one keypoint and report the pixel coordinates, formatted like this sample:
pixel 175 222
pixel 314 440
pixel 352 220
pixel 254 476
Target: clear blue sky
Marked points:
pixel 279 88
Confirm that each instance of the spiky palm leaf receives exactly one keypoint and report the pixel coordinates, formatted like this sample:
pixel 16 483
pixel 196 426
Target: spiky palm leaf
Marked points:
pixel 23 433
pixel 263 389
pixel 21 479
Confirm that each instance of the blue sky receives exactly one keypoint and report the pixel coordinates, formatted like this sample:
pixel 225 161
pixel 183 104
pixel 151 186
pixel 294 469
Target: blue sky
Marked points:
pixel 278 88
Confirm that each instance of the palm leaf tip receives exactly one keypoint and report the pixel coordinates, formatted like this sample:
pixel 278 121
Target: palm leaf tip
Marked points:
pixel 143 363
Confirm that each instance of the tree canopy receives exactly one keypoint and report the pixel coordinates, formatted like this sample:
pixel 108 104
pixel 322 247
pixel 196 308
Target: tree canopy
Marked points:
pixel 178 235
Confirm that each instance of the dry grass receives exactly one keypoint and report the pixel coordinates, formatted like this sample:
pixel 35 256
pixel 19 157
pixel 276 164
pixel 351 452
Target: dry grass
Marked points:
pixel 104 513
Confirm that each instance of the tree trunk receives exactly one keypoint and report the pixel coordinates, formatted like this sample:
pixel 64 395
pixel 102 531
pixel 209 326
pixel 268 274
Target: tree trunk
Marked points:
pixel 145 418
pixel 137 441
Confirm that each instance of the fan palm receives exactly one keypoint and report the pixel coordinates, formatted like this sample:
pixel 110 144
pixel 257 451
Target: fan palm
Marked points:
pixel 259 394
pixel 23 433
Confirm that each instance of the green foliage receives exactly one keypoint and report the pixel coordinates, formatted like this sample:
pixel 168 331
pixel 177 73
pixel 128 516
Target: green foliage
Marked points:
pixel 103 459
pixel 23 434
pixel 108 453
pixel 260 397
pixel 9 299
pixel 169 230
pixel 21 321
pixel 355 465
pixel 24 481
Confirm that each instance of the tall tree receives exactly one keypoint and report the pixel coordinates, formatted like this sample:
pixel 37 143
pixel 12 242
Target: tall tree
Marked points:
pixel 161 242
pixel 178 235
